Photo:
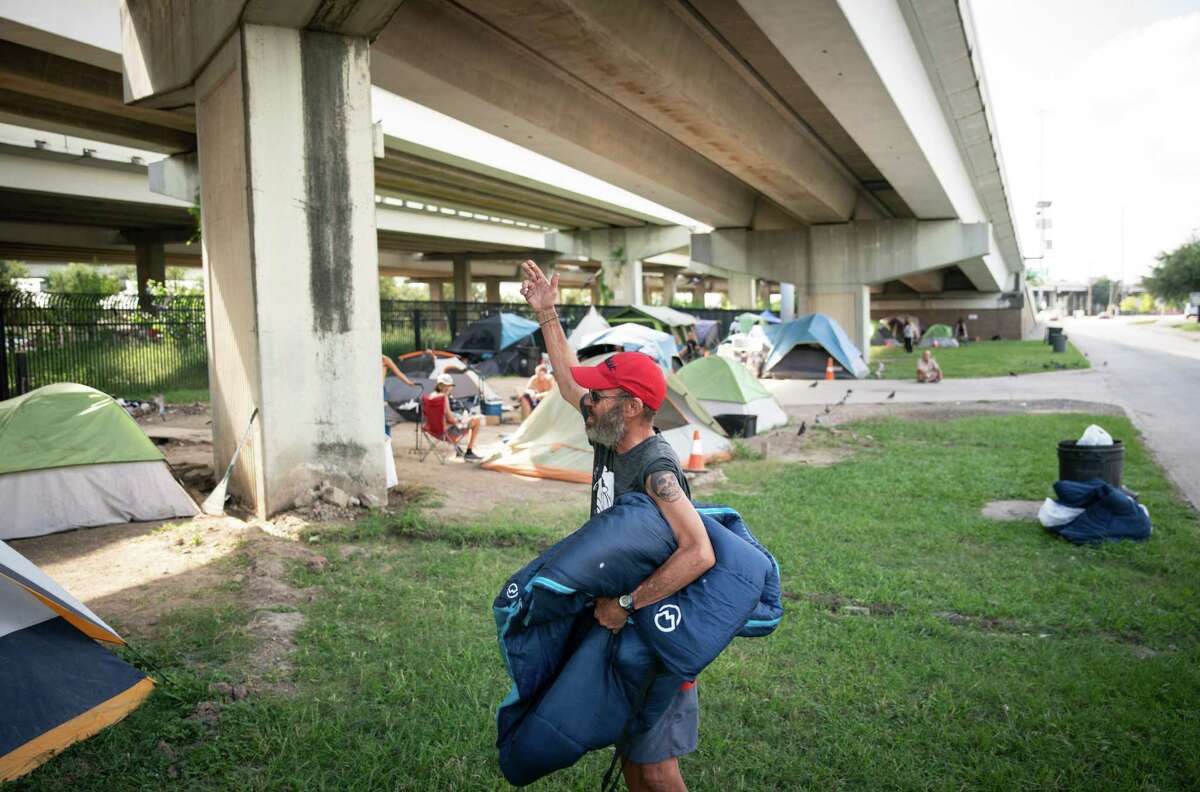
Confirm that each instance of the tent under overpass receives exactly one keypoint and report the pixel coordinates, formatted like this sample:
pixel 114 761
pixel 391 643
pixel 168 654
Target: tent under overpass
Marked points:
pixel 800 350
pixel 726 387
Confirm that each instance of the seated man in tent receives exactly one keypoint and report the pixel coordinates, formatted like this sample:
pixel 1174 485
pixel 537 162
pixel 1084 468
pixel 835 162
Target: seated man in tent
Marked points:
pixel 928 369
pixel 458 426
pixel 540 385
pixel 618 400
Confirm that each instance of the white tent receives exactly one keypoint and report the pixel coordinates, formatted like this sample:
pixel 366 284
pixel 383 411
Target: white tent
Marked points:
pixel 591 324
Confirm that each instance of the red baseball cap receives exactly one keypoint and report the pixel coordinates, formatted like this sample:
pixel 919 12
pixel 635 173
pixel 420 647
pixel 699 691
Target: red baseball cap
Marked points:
pixel 633 372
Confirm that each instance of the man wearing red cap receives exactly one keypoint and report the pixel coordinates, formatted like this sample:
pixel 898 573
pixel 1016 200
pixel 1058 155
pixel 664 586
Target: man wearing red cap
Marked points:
pixel 618 399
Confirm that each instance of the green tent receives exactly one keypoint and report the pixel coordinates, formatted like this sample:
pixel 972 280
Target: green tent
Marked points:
pixel 71 457
pixel 938 331
pixel 68 424
pixel 726 387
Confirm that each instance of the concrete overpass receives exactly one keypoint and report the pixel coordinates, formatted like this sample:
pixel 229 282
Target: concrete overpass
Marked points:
pixel 840 147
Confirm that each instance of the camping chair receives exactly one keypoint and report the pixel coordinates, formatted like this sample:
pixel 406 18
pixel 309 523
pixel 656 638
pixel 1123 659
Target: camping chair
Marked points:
pixel 433 426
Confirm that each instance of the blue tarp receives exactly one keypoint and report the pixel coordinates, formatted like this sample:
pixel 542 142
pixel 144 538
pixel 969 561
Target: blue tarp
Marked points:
pixel 637 338
pixel 493 334
pixel 770 317
pixel 818 329
pixel 513 328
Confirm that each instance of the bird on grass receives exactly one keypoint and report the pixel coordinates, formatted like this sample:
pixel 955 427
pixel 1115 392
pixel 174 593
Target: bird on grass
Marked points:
pixel 815 384
pixel 817 420
pixel 892 395
pixel 803 428
pixel 1012 373
pixel 879 370
pixel 827 409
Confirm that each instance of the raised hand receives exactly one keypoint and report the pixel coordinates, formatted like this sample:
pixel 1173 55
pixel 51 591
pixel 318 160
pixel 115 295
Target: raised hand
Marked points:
pixel 541 294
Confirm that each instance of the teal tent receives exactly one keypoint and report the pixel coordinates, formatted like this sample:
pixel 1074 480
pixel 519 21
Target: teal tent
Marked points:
pixel 800 349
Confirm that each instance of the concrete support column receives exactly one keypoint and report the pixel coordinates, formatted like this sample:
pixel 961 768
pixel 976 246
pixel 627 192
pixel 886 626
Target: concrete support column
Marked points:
pixel 624 281
pixel 463 289
pixel 151 260
pixel 668 292
pixel 852 310
pixel 742 293
pixel 291 264
pixel 594 292
pixel 435 291
pixel 787 301
pixel 698 293
pixel 493 290
pixel 764 294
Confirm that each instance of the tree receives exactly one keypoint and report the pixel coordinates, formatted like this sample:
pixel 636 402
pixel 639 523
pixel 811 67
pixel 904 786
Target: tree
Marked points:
pixel 9 272
pixel 1177 274
pixel 1102 293
pixel 86 279
pixel 1034 277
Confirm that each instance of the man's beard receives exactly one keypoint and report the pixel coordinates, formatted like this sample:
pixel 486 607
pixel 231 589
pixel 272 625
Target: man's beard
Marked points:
pixel 607 429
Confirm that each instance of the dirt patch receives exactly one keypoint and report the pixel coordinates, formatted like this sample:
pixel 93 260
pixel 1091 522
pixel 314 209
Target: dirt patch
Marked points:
pixel 1011 510
pixel 836 603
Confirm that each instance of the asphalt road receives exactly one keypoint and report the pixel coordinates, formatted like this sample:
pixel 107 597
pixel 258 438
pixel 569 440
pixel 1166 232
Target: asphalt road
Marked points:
pixel 1150 371
pixel 1153 371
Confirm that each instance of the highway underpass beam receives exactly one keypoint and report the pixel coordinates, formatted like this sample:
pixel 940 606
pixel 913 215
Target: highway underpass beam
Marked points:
pixel 283 116
pixel 742 292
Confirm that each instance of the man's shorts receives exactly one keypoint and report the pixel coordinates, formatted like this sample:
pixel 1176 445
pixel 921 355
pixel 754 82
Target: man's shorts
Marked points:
pixel 675 727
pixel 456 431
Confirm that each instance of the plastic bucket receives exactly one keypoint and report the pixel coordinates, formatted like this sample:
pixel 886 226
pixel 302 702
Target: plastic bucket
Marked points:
pixel 1081 463
pixel 738 425
pixel 1060 342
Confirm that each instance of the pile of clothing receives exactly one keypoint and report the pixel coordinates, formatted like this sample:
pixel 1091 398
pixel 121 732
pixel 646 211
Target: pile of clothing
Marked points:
pixel 1094 511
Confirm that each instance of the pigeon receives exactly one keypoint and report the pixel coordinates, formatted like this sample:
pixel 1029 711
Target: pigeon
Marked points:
pixel 1012 373
pixel 827 409
pixel 815 384
pixel 803 428
pixel 1105 363
pixel 879 370
pixel 892 395
pixel 817 420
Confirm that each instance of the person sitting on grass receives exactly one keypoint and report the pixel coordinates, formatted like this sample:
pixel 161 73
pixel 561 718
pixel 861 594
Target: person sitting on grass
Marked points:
pixel 928 369
pixel 539 387
pixel 458 425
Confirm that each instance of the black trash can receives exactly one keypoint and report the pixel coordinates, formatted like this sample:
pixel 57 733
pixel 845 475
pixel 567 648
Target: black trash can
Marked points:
pixel 738 425
pixel 1052 333
pixel 1060 343
pixel 1080 463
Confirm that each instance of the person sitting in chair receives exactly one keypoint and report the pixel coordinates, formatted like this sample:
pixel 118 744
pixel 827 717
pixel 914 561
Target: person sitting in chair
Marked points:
pixel 928 369
pixel 539 387
pixel 458 425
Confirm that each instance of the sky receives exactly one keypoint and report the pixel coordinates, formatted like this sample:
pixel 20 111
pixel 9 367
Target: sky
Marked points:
pixel 1115 84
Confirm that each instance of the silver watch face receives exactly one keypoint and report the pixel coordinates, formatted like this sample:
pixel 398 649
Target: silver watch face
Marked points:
pixel 625 601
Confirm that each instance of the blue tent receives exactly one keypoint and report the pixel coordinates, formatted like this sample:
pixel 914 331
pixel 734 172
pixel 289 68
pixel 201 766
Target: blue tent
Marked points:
pixel 635 338
pixel 499 340
pixel 799 349
pixel 769 317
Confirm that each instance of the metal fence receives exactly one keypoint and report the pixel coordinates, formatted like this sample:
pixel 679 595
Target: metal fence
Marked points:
pixel 115 345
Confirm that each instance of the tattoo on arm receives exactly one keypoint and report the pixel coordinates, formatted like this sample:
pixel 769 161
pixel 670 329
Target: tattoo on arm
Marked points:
pixel 665 487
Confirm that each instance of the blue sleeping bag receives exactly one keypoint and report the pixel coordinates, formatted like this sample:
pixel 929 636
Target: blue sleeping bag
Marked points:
pixel 573 682
pixel 1109 513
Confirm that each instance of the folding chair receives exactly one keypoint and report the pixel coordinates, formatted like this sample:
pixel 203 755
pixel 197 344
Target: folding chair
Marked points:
pixel 433 426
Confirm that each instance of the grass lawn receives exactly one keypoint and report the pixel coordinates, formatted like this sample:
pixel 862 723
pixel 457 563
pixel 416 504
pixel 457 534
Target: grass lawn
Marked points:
pixel 981 359
pixel 1190 327
pixel 995 657
pixel 1144 321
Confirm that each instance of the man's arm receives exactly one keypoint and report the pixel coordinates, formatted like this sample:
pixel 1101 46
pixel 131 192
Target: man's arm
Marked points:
pixel 693 554
pixel 391 366
pixel 541 294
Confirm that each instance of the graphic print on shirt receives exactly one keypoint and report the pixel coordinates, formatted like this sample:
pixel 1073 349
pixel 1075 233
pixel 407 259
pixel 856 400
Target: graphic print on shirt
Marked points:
pixel 604 490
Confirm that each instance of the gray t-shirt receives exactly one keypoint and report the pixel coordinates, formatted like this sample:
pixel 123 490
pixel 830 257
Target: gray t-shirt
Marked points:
pixel 615 474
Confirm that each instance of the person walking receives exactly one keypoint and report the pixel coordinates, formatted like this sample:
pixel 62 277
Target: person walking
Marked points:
pixel 618 400
pixel 910 333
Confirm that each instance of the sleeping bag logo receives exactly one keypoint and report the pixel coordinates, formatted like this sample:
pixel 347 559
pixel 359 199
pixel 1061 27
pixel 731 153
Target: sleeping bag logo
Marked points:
pixel 511 591
pixel 668 618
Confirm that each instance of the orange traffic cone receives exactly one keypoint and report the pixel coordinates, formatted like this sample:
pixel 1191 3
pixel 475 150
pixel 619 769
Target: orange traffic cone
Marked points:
pixel 828 368
pixel 695 463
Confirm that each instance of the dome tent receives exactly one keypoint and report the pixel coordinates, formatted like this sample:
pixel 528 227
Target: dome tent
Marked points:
pixel 800 349
pixel 499 344
pixel 591 324
pixel 71 457
pixel 57 684
pixel 634 338
pixel 938 335
pixel 726 387
pixel 552 442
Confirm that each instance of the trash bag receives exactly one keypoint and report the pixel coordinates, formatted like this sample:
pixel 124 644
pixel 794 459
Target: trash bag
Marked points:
pixel 1053 514
pixel 1094 436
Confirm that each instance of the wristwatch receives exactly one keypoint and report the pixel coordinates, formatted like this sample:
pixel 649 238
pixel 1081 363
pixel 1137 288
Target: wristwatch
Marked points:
pixel 626 602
